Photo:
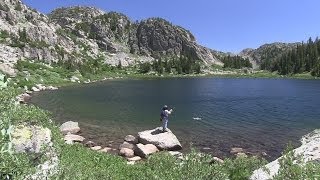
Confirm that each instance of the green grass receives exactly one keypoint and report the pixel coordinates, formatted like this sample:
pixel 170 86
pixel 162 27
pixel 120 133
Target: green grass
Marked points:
pixel 81 163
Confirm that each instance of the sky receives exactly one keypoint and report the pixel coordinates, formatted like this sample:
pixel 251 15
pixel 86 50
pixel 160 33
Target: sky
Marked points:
pixel 224 25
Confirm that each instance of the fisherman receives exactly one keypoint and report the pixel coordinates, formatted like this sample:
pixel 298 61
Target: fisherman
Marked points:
pixel 164 117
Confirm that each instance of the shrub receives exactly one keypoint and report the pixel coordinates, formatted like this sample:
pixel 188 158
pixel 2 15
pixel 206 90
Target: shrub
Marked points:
pixel 145 67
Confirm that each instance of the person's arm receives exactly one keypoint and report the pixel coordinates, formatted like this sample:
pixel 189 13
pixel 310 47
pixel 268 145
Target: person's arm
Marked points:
pixel 169 111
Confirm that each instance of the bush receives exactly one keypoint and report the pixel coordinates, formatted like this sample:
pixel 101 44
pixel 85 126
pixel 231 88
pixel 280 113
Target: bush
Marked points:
pixel 145 67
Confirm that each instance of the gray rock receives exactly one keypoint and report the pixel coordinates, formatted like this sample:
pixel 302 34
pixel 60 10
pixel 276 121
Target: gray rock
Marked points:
pixel 216 160
pixel 96 148
pixel 162 140
pixel 70 127
pixel 236 150
pixel 127 145
pixel 105 150
pixel 175 153
pixel 131 139
pixel 23 98
pixel 30 138
pixel 90 144
pixel 126 152
pixel 41 87
pixel 35 89
pixel 74 79
pixel 135 158
pixel 73 138
pixel 145 150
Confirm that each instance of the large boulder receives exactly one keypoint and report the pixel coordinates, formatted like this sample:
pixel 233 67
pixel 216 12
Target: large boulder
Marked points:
pixel 145 150
pixel 30 138
pixel 70 127
pixel 162 140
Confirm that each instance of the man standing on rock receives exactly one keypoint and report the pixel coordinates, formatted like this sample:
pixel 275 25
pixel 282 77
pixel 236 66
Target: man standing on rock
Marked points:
pixel 164 117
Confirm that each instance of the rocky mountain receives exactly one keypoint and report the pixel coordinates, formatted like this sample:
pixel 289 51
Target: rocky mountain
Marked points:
pixel 80 34
pixel 266 51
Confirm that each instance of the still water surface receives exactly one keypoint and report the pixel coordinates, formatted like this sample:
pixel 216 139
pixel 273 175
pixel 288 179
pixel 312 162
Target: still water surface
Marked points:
pixel 259 115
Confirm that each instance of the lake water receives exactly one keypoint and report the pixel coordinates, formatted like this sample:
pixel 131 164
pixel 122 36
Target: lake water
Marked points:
pixel 259 115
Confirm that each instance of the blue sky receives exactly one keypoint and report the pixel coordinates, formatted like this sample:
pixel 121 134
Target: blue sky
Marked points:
pixel 226 25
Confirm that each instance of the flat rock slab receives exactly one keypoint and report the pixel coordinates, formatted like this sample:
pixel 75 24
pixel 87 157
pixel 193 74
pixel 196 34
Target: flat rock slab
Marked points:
pixel 73 138
pixel 145 150
pixel 162 140
pixel 70 127
pixel 96 148
pixel 135 158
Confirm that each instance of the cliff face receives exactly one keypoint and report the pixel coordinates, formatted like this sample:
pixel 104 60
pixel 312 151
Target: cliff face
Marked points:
pixel 78 34
pixel 114 32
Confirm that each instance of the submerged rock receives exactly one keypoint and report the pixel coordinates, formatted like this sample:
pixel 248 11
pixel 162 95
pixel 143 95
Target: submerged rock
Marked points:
pixel 162 140
pixel 309 151
pixel 70 127
pixel 236 150
pixel 145 150
pixel 30 138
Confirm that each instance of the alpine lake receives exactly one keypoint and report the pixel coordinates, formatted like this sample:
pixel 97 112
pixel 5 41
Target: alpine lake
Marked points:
pixel 210 114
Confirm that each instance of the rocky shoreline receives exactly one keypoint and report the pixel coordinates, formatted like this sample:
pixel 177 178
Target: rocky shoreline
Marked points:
pixel 134 148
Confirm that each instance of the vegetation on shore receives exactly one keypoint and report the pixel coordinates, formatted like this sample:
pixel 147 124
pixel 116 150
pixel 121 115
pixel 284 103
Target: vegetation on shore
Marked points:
pixel 305 57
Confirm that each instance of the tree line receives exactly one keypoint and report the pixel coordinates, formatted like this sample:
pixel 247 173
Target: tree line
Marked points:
pixel 236 62
pixel 305 57
pixel 184 64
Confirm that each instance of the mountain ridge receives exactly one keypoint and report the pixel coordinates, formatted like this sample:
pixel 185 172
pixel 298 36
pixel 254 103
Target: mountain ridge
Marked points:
pixel 78 33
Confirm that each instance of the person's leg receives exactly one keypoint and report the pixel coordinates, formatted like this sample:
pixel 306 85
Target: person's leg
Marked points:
pixel 165 124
